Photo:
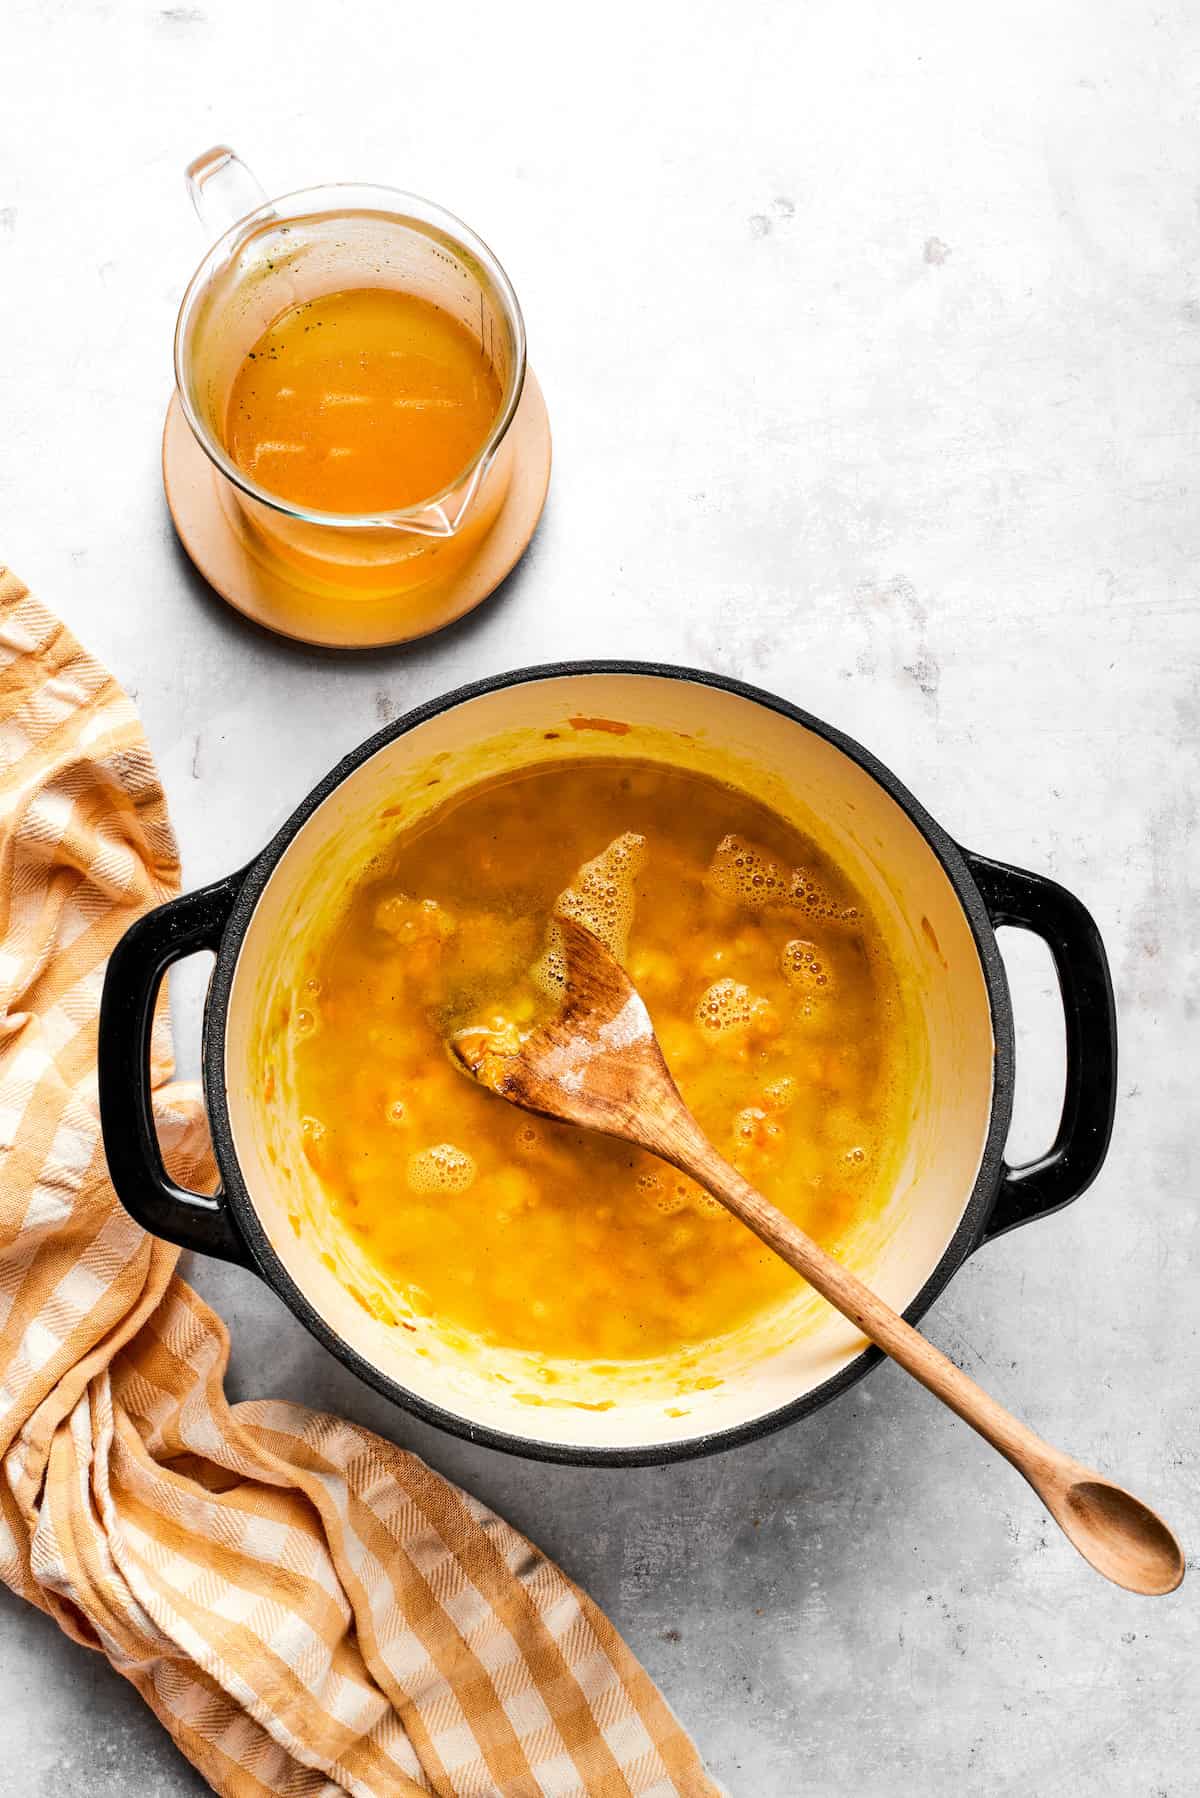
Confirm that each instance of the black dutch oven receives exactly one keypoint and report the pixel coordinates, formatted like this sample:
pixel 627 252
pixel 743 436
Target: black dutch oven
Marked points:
pixel 939 905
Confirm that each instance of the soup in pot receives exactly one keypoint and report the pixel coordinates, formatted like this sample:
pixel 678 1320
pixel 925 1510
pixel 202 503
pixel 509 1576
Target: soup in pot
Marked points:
pixel 777 1004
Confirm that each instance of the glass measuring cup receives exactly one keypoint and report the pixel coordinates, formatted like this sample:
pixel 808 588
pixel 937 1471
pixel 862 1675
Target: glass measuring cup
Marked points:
pixel 276 254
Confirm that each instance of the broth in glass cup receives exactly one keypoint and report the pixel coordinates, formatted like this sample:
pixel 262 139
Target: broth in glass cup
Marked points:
pixel 350 359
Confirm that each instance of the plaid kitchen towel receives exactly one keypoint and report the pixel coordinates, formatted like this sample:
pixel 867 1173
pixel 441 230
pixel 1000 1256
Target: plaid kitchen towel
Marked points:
pixel 308 1609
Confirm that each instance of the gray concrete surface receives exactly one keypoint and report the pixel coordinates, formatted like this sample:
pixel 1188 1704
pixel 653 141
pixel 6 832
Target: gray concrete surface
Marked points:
pixel 871 338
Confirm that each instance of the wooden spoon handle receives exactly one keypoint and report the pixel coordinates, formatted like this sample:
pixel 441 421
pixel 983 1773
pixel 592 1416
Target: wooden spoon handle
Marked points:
pixel 695 1155
pixel 1121 1537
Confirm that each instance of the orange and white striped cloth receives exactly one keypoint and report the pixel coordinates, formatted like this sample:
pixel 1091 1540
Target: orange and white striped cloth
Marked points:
pixel 308 1609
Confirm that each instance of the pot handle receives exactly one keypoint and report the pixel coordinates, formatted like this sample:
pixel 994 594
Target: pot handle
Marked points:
pixel 136 969
pixel 1031 902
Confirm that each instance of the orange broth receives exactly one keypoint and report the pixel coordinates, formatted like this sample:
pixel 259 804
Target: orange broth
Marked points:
pixel 365 401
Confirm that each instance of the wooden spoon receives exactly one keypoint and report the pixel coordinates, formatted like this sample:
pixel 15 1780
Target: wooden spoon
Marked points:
pixel 598 1065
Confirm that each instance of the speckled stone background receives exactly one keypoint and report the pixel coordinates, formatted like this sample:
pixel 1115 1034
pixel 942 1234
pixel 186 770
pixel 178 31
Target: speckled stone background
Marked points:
pixel 871 339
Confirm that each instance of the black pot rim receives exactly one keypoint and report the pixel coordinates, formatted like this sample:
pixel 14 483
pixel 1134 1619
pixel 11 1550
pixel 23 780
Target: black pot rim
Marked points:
pixel 970 1226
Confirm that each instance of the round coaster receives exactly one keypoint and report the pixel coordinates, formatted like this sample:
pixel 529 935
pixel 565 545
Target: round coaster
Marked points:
pixel 222 545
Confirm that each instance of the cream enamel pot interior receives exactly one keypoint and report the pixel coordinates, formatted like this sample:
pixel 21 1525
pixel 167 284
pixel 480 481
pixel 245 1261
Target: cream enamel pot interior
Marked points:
pixel 938 904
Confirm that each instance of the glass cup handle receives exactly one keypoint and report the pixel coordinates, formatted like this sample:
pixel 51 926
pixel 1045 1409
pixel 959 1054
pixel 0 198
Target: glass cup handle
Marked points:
pixel 222 189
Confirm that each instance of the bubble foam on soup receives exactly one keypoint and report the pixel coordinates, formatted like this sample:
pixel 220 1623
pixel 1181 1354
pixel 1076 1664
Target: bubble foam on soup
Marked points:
pixel 729 1008
pixel 601 897
pixel 746 875
pixel 443 1168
